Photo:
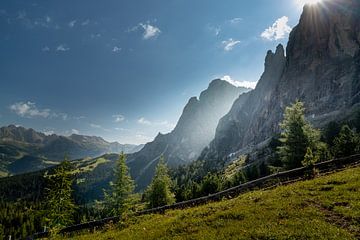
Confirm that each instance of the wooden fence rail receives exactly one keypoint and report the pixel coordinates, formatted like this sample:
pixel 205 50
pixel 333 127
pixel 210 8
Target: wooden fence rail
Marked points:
pixel 264 182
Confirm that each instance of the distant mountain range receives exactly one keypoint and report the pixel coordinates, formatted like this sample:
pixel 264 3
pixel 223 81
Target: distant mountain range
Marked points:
pixel 24 150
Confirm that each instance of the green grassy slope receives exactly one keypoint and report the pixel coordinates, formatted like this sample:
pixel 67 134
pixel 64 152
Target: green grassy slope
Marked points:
pixel 324 208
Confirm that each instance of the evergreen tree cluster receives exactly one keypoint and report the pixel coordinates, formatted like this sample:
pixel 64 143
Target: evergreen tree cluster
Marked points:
pixel 52 205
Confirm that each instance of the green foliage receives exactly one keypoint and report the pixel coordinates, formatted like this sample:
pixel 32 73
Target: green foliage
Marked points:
pixel 239 178
pixel 118 199
pixel 212 183
pixel 297 135
pixel 252 172
pixel 309 159
pixel 60 206
pixel 346 143
pixel 331 130
pixel 304 210
pixel 159 191
pixel 20 219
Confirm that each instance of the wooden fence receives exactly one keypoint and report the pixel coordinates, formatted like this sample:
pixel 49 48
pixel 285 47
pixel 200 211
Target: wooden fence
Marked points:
pixel 261 183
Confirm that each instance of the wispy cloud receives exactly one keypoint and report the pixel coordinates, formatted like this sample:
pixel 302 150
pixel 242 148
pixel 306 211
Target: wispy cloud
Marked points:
pixel 48 132
pixel 235 20
pixel 150 31
pixel 216 30
pixel 75 131
pixel 143 121
pixel 29 110
pixel 230 44
pixel 72 23
pixel 278 30
pixel 116 49
pixel 165 125
pixel 62 48
pixel 118 118
pixel 246 84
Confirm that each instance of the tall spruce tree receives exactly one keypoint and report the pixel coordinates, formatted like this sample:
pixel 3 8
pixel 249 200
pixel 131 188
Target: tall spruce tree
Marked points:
pixel 346 143
pixel 297 135
pixel 159 191
pixel 118 198
pixel 60 206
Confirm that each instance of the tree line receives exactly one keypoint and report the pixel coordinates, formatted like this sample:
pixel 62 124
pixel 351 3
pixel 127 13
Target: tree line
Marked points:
pixel 299 144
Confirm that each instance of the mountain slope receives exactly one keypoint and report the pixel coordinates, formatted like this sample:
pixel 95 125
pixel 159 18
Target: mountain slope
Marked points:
pixel 194 131
pixel 321 68
pixel 323 208
pixel 24 150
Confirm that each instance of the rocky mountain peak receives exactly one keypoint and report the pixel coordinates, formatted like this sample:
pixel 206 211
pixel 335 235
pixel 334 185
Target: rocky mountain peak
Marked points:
pixel 321 68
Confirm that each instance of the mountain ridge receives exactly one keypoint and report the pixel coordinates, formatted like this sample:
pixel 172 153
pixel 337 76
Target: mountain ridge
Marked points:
pixel 194 130
pixel 321 68
pixel 24 149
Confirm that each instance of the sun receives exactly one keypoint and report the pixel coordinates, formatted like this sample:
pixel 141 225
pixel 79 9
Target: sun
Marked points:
pixel 309 2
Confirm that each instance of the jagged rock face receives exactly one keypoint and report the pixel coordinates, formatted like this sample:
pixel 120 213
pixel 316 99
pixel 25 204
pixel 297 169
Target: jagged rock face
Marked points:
pixel 321 68
pixel 194 130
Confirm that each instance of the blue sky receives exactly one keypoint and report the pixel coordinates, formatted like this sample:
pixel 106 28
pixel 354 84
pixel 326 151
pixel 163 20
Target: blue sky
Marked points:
pixel 125 69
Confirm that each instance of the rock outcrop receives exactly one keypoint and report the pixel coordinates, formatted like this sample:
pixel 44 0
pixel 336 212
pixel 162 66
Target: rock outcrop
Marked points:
pixel 194 130
pixel 321 68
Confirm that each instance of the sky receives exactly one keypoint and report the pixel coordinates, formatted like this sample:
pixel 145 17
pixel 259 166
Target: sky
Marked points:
pixel 124 70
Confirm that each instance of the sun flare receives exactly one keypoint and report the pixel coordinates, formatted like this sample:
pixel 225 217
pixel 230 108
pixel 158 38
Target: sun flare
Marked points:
pixel 309 2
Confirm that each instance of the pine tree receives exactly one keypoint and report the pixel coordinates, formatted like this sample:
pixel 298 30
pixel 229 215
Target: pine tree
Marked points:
pixel 159 191
pixel 297 135
pixel 60 206
pixel 210 184
pixel 309 159
pixel 346 143
pixel 118 199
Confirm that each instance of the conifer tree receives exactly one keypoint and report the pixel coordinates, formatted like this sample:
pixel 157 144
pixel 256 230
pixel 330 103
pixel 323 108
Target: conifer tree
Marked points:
pixel 118 199
pixel 60 206
pixel 159 191
pixel 297 135
pixel 309 159
pixel 346 143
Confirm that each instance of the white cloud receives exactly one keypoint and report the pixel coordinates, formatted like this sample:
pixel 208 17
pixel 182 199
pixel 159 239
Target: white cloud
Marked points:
pixel 116 49
pixel 47 19
pixel 163 125
pixel 235 20
pixel 118 118
pixel 62 48
pixel 48 132
pixel 246 84
pixel 29 110
pixel 122 129
pixel 216 30
pixel 230 44
pixel 278 30
pixel 45 49
pixel 72 23
pixel 75 131
pixel 150 31
pixel 64 116
pixel 143 121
